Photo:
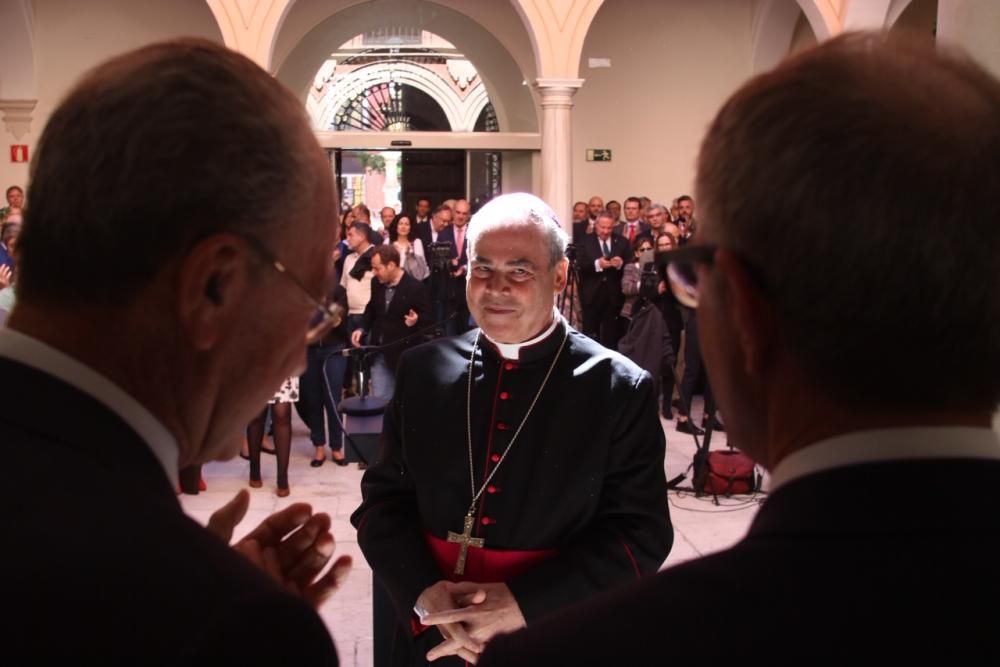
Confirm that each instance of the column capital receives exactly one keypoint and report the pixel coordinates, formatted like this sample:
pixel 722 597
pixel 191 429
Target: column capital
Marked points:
pixel 558 92
pixel 17 116
pixel 562 85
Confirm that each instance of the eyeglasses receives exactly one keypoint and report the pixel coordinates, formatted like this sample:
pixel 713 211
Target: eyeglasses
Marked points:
pixel 681 272
pixel 326 317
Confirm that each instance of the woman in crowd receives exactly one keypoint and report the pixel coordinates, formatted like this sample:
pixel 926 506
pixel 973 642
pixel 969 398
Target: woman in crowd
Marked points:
pixel 671 312
pixel 322 385
pixel 411 249
pixel 281 419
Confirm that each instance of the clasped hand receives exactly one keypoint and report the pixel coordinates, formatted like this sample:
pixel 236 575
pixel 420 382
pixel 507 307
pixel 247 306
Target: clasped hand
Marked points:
pixel 469 615
pixel 293 546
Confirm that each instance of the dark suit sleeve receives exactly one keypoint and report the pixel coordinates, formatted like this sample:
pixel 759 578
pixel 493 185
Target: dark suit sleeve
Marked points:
pixel 369 313
pixel 630 535
pixel 268 625
pixel 390 533
pixel 589 250
pixel 421 304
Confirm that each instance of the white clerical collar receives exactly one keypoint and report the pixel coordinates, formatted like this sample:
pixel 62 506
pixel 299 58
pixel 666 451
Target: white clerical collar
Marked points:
pixel 894 444
pixel 32 352
pixel 512 351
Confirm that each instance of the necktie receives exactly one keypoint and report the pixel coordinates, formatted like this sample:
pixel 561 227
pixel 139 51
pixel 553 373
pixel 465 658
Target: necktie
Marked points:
pixel 631 233
pixel 605 249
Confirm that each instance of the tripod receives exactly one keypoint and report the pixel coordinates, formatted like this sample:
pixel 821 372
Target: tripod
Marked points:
pixel 568 303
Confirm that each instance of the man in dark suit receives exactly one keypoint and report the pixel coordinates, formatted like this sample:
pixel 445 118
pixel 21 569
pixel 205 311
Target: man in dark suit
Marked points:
pixel 633 226
pixel 455 235
pixel 181 331
pixel 399 303
pixel 856 394
pixel 602 258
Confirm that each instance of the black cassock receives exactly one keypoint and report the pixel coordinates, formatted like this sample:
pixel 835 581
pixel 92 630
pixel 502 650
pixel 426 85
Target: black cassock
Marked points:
pixel 578 506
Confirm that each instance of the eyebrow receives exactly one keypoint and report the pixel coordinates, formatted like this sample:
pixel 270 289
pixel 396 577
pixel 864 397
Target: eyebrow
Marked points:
pixel 479 259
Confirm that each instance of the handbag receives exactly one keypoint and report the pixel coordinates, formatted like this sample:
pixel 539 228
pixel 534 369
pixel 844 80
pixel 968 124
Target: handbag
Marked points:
pixel 727 473
pixel 416 266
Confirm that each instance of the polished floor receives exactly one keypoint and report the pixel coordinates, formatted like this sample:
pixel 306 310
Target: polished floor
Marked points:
pixel 700 526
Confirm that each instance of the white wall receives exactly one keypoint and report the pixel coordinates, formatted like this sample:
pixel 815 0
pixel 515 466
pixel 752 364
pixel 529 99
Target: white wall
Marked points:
pixel 72 36
pixel 673 63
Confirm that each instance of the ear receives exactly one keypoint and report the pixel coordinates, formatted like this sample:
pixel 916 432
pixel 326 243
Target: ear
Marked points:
pixel 752 312
pixel 561 279
pixel 212 283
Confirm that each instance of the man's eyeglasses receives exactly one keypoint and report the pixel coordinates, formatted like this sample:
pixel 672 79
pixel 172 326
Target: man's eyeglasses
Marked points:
pixel 682 274
pixel 326 317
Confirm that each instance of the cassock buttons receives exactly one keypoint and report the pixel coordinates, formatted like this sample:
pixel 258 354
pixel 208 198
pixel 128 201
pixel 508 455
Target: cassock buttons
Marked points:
pixel 491 489
pixel 509 366
pixel 504 396
pixel 501 426
pixel 495 458
pixel 487 521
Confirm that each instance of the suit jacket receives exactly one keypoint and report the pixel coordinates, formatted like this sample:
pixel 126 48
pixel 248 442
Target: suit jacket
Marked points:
pixel 101 560
pixel 892 559
pixel 447 235
pixel 388 326
pixel 580 231
pixel 585 476
pixel 607 284
pixel 644 230
pixel 421 230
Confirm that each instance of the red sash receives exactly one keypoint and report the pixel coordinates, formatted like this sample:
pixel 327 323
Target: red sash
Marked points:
pixel 485 565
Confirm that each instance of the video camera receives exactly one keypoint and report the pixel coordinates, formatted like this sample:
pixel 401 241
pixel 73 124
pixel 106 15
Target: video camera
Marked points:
pixel 571 253
pixel 654 271
pixel 439 256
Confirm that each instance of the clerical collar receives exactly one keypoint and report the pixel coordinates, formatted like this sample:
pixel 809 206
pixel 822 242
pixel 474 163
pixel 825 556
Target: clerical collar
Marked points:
pixel 512 351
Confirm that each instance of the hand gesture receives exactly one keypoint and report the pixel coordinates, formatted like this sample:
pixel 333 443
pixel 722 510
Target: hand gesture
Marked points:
pixel 293 546
pixel 446 596
pixel 488 610
pixel 356 337
pixel 410 318
pixel 616 262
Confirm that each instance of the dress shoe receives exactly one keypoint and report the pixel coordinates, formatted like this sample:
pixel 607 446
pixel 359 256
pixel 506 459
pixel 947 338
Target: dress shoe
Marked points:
pixel 245 457
pixel 256 483
pixel 342 461
pixel 687 427
pixel 315 463
pixel 717 426
pixel 282 492
pixel 362 466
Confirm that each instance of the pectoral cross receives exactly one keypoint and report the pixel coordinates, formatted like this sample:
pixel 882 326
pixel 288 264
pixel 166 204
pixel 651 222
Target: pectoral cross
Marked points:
pixel 466 540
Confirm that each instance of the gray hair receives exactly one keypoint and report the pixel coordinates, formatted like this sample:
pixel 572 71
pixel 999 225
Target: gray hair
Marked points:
pixel 516 209
pixel 883 308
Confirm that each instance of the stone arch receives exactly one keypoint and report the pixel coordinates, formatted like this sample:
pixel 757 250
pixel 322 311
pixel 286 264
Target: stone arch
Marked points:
pixel 499 71
pixel 411 74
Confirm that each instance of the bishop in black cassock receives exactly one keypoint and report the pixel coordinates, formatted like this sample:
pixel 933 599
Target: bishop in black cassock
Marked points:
pixel 578 506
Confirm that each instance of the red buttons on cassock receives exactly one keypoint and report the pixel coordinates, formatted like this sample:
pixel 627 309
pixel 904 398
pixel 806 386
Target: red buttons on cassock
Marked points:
pixel 491 489
pixel 495 458
pixel 509 366
pixel 486 521
pixel 502 426
pixel 504 396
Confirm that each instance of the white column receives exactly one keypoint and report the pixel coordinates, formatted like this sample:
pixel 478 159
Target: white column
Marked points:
pixel 390 189
pixel 972 24
pixel 557 145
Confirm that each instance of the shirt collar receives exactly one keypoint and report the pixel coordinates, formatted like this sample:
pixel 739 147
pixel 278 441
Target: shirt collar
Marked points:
pixel 32 352
pixel 895 444
pixel 513 351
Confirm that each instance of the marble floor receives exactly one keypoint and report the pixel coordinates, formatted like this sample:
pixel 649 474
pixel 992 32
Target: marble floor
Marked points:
pixel 700 526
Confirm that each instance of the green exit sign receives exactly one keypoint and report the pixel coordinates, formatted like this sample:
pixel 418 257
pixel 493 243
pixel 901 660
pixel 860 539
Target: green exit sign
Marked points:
pixel 598 155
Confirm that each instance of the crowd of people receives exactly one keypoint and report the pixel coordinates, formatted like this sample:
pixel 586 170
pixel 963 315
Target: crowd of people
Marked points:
pixel 517 512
